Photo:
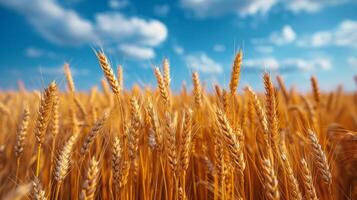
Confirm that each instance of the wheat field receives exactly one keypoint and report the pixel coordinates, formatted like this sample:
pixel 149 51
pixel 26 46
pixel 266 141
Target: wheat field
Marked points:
pixel 149 143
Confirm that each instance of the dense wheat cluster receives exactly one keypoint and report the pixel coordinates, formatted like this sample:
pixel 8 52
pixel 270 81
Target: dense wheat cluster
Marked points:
pixel 159 144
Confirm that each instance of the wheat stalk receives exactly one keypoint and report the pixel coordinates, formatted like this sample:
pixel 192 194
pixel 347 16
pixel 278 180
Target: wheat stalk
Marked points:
pixel 283 88
pixel 120 77
pixel 68 74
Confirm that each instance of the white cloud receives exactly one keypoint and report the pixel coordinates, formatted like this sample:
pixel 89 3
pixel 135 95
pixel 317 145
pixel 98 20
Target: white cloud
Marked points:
pixel 59 25
pixel 285 36
pixel 264 49
pixel 179 50
pixel 310 6
pixel 34 52
pixel 214 8
pixel 138 52
pixel 201 62
pixel 118 4
pixel 161 10
pixel 352 62
pixel 64 26
pixel 55 71
pixel 271 63
pixel 115 27
pixel 262 63
pixel 219 48
pixel 343 35
pixel 207 8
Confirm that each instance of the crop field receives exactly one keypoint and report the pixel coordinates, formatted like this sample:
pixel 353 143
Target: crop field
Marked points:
pixel 156 143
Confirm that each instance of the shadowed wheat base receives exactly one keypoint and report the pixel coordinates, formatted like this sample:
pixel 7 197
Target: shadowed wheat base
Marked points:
pixel 157 144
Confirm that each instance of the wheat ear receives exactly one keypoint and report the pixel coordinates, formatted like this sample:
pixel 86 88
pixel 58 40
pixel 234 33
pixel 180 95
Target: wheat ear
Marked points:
pixel 260 112
pixel 68 74
pixel 108 72
pixel 120 168
pixel 134 128
pixel 231 140
pixel 271 111
pixel 22 132
pixel 171 143
pixel 90 184
pixel 89 139
pixel 20 138
pixel 166 72
pixel 197 90
pixel 38 192
pixel 43 119
pixel 319 158
pixel 315 89
pixel 270 183
pixel 310 193
pixel 4 109
pixel 186 141
pixel 63 162
pixel 233 85
pixel 294 190
pixel 154 123
pixel 283 88
pixel 162 88
pixel 120 77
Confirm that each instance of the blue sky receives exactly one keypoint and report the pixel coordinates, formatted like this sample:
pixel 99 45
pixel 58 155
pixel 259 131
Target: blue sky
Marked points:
pixel 295 38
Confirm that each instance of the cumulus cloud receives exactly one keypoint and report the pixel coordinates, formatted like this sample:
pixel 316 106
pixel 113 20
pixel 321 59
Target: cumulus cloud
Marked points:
pixel 115 27
pixel 34 52
pixel 288 64
pixel 219 48
pixel 214 8
pixel 201 62
pixel 66 27
pixel 162 10
pixel 207 8
pixel 343 35
pixel 311 6
pixel 352 62
pixel 118 4
pixel 59 25
pixel 55 70
pixel 264 49
pixel 137 52
pixel 179 50
pixel 285 36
